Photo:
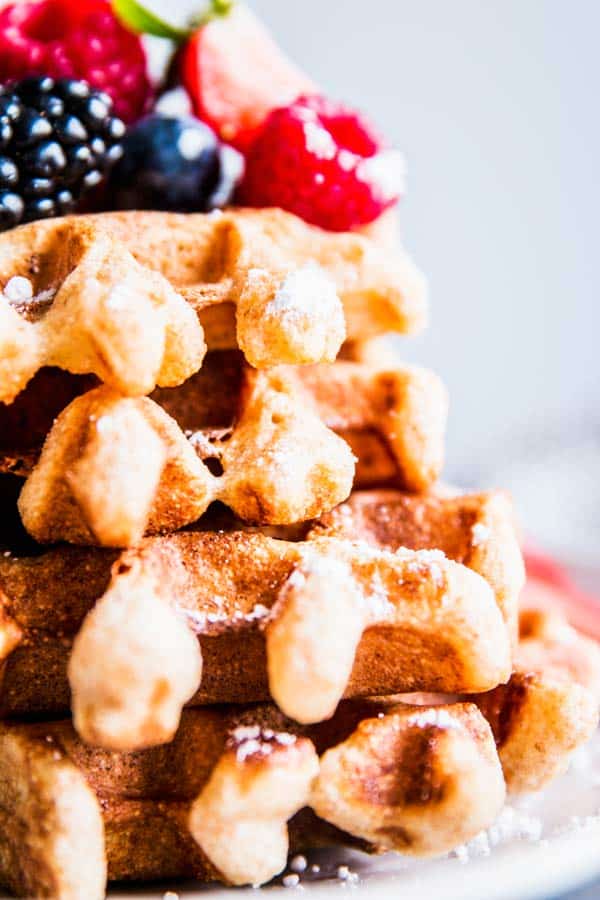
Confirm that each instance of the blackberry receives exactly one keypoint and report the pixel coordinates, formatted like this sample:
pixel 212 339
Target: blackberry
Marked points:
pixel 58 140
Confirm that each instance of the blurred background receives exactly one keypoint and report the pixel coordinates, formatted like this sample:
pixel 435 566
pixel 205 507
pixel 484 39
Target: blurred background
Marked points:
pixel 495 107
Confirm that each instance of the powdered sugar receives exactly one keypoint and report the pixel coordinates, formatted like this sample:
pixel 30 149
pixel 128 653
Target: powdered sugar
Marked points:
pixel 298 863
pixel 105 425
pixel 306 293
pixel 428 563
pixel 385 172
pixel 512 824
pixel 347 160
pixel 435 715
pixel 318 141
pixel 207 443
pixel 480 534
pixel 324 567
pixel 18 290
pixel 252 740
pixel 198 619
pixel 378 603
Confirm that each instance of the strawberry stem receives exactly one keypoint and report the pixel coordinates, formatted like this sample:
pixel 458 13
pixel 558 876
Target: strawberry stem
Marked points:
pixel 217 9
pixel 222 7
pixel 134 15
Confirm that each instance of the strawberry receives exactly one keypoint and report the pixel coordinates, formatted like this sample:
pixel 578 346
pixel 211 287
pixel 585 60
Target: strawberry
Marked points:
pixel 236 74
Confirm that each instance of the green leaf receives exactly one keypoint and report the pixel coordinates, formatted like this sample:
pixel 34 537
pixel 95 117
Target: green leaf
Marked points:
pixel 140 19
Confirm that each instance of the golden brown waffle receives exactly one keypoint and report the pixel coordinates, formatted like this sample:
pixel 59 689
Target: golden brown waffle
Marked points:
pixel 115 467
pixel 130 296
pixel 306 621
pixel 215 803
pixel 476 530
pixel 550 705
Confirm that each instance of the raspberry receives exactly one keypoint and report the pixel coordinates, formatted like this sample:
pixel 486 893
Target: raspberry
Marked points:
pixel 323 162
pixel 80 40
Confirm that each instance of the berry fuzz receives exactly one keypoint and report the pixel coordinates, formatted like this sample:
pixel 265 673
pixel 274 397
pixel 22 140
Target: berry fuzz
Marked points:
pixel 57 141
pixel 83 40
pixel 323 162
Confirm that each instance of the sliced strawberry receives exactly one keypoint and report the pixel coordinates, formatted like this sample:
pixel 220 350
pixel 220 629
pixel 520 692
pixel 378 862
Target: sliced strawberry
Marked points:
pixel 236 74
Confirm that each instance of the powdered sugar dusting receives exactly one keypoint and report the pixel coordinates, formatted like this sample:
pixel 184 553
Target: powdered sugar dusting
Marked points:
pixel 318 141
pixel 480 534
pixel 385 172
pixel 425 563
pixel 199 619
pixel 306 293
pixel 18 290
pixel 512 824
pixel 206 443
pixel 379 606
pixel 252 740
pixel 435 715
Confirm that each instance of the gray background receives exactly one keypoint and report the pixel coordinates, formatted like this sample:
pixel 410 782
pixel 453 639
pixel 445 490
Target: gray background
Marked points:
pixel 495 105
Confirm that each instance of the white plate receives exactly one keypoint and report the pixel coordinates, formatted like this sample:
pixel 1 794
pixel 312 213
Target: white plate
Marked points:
pixel 542 846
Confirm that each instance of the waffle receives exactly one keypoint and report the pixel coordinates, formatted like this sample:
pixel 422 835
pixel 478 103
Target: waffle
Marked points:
pixel 550 705
pixel 133 297
pixel 215 803
pixel 476 530
pixel 304 621
pixel 548 709
pixel 114 468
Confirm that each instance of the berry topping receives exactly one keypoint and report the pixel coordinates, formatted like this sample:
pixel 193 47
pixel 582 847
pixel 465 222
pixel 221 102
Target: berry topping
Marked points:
pixel 174 163
pixel 61 139
pixel 83 40
pixel 323 162
pixel 236 74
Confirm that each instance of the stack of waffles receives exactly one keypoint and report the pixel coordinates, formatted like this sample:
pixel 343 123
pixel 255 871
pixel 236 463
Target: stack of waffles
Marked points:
pixel 239 616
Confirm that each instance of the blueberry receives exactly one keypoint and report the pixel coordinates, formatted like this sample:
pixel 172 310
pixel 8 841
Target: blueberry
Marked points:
pixel 169 163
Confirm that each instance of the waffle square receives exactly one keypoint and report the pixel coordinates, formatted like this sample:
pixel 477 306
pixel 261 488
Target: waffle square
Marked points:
pixel 114 468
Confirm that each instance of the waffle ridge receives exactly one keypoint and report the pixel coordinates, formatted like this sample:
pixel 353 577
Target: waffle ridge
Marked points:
pixel 133 297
